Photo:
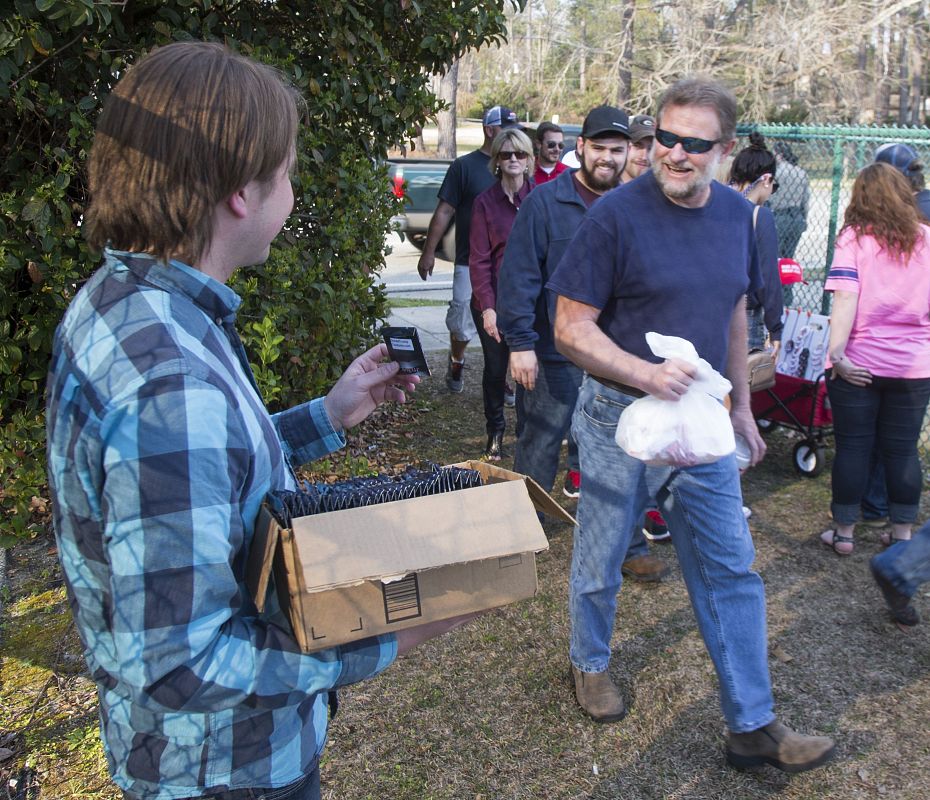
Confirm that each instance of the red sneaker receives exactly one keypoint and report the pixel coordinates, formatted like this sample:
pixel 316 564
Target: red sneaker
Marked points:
pixel 654 527
pixel 572 485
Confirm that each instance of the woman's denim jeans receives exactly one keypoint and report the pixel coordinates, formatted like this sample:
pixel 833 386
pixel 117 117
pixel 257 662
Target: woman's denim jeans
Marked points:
pixel 703 508
pixel 886 415
pixel 907 564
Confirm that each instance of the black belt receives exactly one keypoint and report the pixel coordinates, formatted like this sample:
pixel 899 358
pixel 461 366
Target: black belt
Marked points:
pixel 632 391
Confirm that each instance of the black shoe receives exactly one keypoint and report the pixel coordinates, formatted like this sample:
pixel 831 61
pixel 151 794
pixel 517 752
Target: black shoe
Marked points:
pixel 493 450
pixel 898 603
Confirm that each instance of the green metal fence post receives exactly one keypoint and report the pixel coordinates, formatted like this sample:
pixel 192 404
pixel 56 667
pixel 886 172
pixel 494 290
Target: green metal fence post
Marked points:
pixel 838 143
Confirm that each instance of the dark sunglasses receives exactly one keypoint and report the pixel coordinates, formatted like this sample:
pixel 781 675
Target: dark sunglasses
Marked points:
pixel 555 144
pixel 690 144
pixel 507 155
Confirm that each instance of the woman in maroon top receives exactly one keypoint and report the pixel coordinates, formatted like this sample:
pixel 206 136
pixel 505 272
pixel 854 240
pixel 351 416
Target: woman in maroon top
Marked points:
pixel 492 217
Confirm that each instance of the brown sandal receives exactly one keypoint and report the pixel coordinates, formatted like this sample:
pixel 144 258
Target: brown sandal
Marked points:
pixel 830 538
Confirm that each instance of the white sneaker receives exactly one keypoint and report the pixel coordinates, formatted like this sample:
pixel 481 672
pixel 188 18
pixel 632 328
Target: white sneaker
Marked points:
pixel 747 512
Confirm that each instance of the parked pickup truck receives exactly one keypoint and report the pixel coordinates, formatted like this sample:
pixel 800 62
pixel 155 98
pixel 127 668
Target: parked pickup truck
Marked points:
pixel 418 181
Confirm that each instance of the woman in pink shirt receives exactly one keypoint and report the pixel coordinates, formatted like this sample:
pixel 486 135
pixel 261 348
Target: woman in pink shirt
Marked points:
pixel 492 217
pixel 879 350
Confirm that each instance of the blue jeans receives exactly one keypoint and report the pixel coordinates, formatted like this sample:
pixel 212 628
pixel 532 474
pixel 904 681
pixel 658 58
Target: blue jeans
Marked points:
pixel 544 416
pixel 703 507
pixel 907 564
pixel 887 415
pixel 875 499
pixel 305 788
pixel 755 328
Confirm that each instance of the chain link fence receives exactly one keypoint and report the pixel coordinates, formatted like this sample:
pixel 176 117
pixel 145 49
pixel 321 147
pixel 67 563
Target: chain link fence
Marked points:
pixel 816 169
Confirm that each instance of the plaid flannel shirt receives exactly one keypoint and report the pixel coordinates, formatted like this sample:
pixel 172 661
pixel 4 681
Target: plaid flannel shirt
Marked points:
pixel 160 452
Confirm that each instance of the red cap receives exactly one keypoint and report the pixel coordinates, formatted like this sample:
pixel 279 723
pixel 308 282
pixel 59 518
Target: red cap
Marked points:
pixel 790 271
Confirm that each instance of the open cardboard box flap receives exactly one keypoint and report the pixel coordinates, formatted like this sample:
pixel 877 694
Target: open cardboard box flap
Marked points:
pixel 389 540
pixel 540 497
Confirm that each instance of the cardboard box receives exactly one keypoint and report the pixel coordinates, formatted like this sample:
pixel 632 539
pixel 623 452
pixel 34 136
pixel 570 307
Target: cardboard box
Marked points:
pixel 346 575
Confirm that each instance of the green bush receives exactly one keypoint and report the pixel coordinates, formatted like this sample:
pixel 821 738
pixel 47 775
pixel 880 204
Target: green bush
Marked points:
pixel 363 68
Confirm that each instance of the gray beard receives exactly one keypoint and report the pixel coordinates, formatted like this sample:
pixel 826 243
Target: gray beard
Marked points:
pixel 700 183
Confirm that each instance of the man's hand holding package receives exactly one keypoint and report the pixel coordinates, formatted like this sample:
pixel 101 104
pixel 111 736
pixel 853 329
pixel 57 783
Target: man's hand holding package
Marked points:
pixel 668 380
pixel 368 382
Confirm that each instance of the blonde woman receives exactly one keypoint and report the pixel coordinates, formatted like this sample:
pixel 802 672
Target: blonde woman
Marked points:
pixel 492 217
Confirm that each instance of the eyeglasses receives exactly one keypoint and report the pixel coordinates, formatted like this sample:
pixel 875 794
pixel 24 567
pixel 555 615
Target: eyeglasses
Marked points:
pixel 690 144
pixel 507 155
pixel 551 145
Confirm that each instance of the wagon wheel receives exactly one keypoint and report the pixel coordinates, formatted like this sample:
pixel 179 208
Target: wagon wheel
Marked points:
pixel 809 458
pixel 765 425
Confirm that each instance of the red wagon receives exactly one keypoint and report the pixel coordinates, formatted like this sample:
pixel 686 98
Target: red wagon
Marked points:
pixel 798 400
pixel 799 405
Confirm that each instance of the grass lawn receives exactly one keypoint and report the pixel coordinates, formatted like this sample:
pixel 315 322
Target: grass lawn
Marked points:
pixel 486 712
pixel 414 302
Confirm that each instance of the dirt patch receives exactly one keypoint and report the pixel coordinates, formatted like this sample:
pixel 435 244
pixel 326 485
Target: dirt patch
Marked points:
pixel 487 711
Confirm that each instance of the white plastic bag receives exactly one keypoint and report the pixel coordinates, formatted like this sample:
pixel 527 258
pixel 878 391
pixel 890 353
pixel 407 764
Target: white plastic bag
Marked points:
pixel 696 429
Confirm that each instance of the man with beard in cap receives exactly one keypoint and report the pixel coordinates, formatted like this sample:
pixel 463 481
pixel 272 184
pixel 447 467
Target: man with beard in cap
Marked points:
pixel 547 382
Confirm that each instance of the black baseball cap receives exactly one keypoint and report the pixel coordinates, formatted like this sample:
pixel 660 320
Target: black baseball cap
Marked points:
pixel 603 120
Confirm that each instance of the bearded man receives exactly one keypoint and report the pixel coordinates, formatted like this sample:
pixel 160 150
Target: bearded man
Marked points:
pixel 548 382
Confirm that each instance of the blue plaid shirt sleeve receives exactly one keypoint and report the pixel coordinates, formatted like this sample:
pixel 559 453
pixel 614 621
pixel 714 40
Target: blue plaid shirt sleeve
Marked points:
pixel 306 432
pixel 174 457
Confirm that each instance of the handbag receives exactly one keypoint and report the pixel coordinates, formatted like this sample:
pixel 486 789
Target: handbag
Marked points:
pixel 761 369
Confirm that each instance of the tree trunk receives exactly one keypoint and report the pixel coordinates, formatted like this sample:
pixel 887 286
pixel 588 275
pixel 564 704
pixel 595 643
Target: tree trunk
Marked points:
pixel 445 120
pixel 583 66
pixel 625 72
pixel 882 68
pixel 904 83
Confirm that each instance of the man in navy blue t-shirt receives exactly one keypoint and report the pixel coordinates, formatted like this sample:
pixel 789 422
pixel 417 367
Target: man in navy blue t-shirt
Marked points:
pixel 672 252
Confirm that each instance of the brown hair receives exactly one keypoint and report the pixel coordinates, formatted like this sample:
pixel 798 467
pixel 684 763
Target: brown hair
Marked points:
pixel 883 206
pixel 703 92
pixel 184 129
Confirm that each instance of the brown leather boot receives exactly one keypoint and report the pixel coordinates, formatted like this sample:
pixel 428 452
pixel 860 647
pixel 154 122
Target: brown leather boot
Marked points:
pixel 647 569
pixel 778 745
pixel 597 694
